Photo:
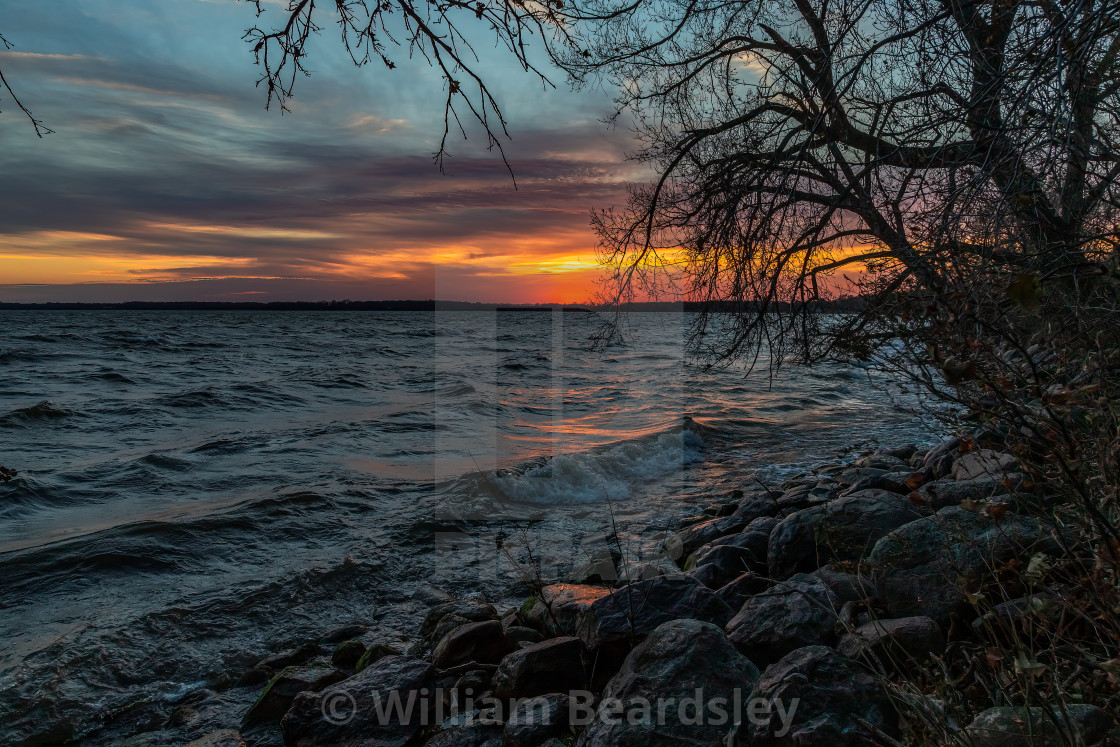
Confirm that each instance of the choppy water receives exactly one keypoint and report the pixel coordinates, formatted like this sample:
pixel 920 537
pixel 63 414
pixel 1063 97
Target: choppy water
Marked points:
pixel 198 490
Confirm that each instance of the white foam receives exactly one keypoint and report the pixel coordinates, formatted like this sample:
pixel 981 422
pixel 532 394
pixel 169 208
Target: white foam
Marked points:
pixel 609 472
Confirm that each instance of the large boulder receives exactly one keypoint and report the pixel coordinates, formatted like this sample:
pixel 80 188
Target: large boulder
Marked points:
pixel 542 668
pixel 631 612
pixel 445 617
pixel 818 698
pixel 795 613
pixel 1076 723
pixel 984 463
pixel 481 642
pixel 894 644
pixel 360 710
pixel 556 610
pixel 680 545
pixel 688 661
pixel 735 593
pixel 939 460
pixel 949 492
pixel 282 689
pixel 534 721
pixel 728 562
pixel 929 566
pixel 845 529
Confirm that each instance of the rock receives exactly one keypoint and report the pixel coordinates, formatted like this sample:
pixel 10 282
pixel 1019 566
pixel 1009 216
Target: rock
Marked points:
pixel 637 571
pixel 680 545
pixel 536 720
pixel 354 704
pixel 708 575
pixel 795 613
pixel 1020 613
pixel 845 529
pixel 1034 727
pixel 294 658
pixel 474 734
pixel 743 588
pixel 278 695
pixel 947 491
pixel 727 561
pixel 431 595
pixel 900 452
pixel 516 635
pixel 542 668
pixel 984 463
pixel 940 458
pixel 895 482
pixel 834 700
pixel 347 654
pixel 848 587
pixel 444 617
pixel 679 659
pixel 596 571
pixel 928 566
pixel 472 684
pixel 884 462
pixel 854 475
pixel 344 633
pixel 894 643
pixel 375 653
pixel 808 495
pixel 752 542
pixel 481 642
pixel 219 738
pixel 556 611
pixel 633 611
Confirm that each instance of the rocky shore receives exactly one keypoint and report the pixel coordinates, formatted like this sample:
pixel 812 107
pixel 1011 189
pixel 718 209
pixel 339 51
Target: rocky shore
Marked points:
pixel 784 615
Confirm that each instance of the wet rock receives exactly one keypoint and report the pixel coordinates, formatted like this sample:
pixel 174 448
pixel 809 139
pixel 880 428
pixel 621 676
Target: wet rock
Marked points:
pixel 445 617
pixel 854 475
pixel 480 642
pixel 353 707
pixel 835 699
pixel 556 611
pixel 743 588
pixel 677 660
pixel 903 452
pixel 431 595
pixel 536 720
pixel 472 684
pixel 884 462
pixel 596 571
pixel 219 738
pixel 947 491
pixel 344 633
pixel 278 695
pixel 708 575
pixel 375 653
pixel 638 571
pixel 295 658
pixel 928 566
pixel 984 463
pixel 845 529
pixel 808 495
pixel 519 635
pixel 347 654
pixel 848 587
pixel 940 458
pixel 633 611
pixel 894 643
pixel 728 562
pixel 680 545
pixel 542 668
pixel 795 613
pixel 1035 727
pixel 475 734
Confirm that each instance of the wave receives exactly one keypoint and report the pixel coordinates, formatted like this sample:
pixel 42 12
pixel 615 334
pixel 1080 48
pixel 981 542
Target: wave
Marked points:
pixel 608 472
pixel 45 410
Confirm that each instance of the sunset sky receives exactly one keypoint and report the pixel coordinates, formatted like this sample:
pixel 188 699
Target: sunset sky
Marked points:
pixel 166 179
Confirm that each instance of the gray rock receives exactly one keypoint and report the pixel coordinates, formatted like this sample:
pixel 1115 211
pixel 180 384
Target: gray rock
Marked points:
pixel 219 738
pixel 808 495
pixel 375 653
pixel 633 611
pixel 984 463
pixel 795 613
pixel 354 705
pixel 1036 727
pixel 743 588
pixel 845 529
pixel 556 611
pixel 517 635
pixel 680 545
pixel 928 566
pixel 475 734
pixel 536 720
pixel 728 562
pixel 347 654
pixel 678 659
pixel 542 668
pixel 834 700
pixel 480 642
pixel 1020 613
pixel 883 461
pixel 278 695
pixel 848 587
pixel 596 571
pixel 445 617
pixel 946 492
pixel 894 643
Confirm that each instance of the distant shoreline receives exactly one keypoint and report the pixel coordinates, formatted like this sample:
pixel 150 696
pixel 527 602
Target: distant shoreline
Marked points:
pixel 839 305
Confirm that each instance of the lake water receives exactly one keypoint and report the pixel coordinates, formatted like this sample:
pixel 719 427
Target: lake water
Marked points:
pixel 198 490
